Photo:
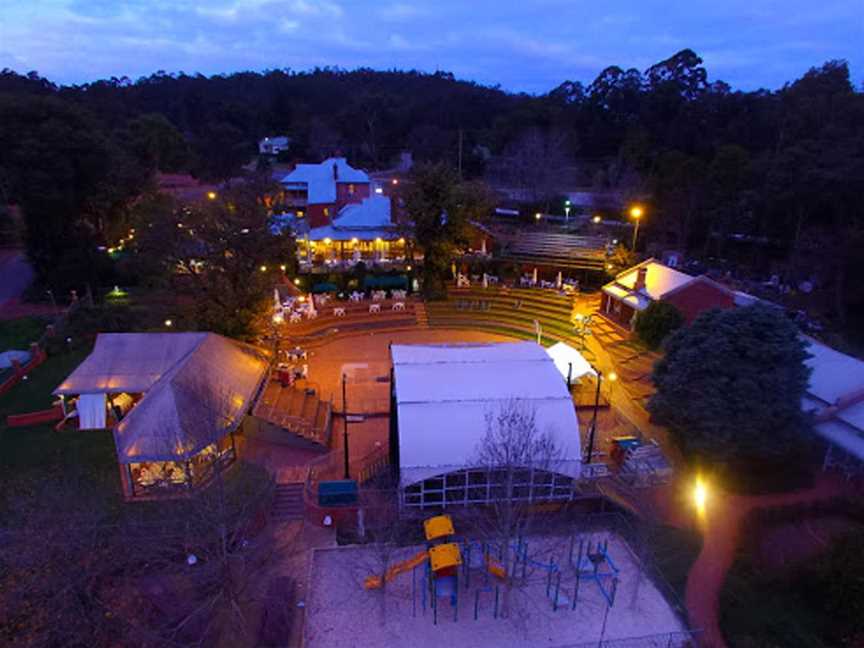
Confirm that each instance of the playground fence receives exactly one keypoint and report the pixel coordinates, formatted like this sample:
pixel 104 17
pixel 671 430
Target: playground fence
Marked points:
pixel 685 639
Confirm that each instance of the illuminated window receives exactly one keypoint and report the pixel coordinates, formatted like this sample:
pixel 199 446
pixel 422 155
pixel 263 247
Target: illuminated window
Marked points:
pixel 351 189
pixel 326 211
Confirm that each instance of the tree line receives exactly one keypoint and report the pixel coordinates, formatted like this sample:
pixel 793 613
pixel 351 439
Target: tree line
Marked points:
pixel 765 180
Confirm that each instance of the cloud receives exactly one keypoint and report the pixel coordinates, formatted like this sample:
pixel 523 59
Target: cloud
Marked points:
pixel 524 46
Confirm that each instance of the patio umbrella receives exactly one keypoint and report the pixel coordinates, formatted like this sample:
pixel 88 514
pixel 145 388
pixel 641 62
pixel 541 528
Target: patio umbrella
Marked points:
pixel 534 276
pixel 558 281
pixel 485 280
pixel 276 298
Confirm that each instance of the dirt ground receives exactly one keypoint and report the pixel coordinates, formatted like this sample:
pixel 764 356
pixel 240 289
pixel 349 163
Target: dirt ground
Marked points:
pixel 363 359
pixel 342 614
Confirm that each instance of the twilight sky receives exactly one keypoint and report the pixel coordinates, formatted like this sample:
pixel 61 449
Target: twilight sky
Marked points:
pixel 524 45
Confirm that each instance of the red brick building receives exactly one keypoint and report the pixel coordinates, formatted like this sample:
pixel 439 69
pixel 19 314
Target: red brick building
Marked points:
pixel 320 191
pixel 634 289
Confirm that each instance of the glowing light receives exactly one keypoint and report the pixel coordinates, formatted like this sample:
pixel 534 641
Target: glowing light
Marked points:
pixel 612 377
pixel 263 268
pixel 608 266
pixel 327 241
pixel 401 241
pixel 169 323
pixel 408 267
pixel 354 240
pixel 297 281
pixel 538 216
pixel 283 267
pixel 278 318
pixel 636 212
pixel 379 190
pixel 596 220
pixel 211 195
pixel 180 225
pixel 245 230
pixel 395 181
pixel 378 240
pixel 700 495
pixel 614 241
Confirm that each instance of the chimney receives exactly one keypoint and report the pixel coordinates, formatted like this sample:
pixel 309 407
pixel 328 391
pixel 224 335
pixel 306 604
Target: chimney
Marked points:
pixel 336 172
pixel 641 275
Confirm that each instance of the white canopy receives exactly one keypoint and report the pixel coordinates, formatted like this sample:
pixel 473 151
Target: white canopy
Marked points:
pixel 197 388
pixel 443 394
pixel 569 361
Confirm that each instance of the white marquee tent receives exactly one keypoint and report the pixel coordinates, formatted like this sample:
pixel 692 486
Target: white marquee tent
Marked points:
pixel 443 393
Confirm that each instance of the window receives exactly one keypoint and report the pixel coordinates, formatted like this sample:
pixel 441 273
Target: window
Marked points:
pixel 351 189
pixel 326 211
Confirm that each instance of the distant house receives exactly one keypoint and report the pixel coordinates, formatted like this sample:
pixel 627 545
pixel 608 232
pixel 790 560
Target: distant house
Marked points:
pixel 634 289
pixel 319 191
pixel 336 219
pixel 173 401
pixel 835 398
pixel 274 145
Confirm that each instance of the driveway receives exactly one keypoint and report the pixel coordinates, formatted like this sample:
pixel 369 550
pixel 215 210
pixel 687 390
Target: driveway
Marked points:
pixel 15 275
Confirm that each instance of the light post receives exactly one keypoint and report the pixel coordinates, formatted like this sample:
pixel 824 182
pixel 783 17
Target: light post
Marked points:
pixel 636 214
pixel 593 427
pixel 567 211
pixel 345 425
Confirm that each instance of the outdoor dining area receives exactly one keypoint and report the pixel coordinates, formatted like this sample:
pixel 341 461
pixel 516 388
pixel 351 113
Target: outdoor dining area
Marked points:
pixel 292 366
pixel 297 308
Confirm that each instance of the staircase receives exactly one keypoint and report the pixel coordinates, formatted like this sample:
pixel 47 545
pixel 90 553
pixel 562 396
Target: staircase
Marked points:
pixel 297 412
pixel 288 502
pixel 421 315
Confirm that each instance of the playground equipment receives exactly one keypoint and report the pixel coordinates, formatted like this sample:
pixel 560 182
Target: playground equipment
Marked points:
pixel 588 561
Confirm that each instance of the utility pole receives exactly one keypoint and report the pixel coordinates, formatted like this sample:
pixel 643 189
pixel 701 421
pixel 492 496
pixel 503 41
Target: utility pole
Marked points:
pixel 345 425
pixel 594 417
pixel 460 153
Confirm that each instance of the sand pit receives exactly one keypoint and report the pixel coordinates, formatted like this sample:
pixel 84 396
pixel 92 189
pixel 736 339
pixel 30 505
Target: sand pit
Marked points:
pixel 340 613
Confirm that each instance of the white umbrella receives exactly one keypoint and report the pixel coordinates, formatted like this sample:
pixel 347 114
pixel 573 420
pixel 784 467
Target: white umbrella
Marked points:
pixel 534 277
pixel 312 311
pixel 276 298
pixel 485 281
pixel 558 281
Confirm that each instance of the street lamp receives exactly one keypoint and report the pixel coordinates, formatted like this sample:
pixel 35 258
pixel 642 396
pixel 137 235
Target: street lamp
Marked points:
pixel 636 213
pixel 596 220
pixel 538 216
pixel 593 427
pixel 567 210
pixel 211 195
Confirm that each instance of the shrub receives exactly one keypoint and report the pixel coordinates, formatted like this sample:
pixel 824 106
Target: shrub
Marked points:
pixel 657 322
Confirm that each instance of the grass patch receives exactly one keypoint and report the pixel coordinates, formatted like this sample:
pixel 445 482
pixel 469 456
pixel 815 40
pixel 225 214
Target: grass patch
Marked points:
pixel 32 452
pixel 673 552
pixel 20 333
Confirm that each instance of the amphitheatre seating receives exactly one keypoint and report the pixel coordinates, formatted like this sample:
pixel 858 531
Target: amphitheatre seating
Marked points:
pixel 561 250
pixel 512 312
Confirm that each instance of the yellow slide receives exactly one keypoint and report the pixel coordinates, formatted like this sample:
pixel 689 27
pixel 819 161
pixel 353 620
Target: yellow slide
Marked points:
pixel 374 582
pixel 495 568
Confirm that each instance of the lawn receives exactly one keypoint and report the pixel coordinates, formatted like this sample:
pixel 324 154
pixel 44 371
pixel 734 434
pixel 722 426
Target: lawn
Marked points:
pixel 34 452
pixel 19 333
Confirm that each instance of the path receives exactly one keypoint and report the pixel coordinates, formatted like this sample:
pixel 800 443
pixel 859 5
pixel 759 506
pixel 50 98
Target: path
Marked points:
pixel 16 275
pixel 721 529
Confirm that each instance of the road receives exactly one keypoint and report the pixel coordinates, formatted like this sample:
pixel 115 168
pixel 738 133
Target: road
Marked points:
pixel 15 275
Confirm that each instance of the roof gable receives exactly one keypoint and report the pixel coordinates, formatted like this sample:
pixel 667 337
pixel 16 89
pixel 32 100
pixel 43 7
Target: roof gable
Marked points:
pixel 320 180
